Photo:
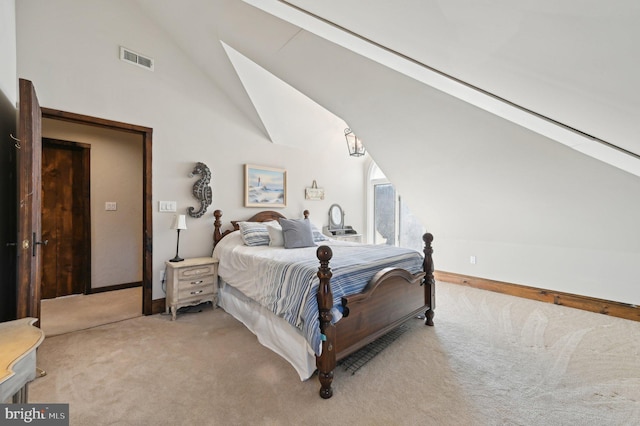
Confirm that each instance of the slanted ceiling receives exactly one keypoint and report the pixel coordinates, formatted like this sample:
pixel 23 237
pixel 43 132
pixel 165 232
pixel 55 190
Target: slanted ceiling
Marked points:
pixel 561 70
pixel 565 70
pixel 289 117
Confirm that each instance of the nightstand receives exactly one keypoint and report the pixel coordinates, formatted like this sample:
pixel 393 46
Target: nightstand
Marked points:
pixel 191 282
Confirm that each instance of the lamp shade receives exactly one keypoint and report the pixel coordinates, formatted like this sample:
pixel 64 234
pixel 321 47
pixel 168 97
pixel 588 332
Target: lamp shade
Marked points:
pixel 356 148
pixel 179 222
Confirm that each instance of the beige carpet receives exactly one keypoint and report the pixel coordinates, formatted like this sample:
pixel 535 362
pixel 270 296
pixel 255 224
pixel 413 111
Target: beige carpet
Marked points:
pixel 491 359
pixel 79 312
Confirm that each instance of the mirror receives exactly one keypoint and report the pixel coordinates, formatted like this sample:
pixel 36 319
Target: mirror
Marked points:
pixel 336 217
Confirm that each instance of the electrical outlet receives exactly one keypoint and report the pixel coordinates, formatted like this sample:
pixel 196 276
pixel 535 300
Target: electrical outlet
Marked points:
pixel 472 260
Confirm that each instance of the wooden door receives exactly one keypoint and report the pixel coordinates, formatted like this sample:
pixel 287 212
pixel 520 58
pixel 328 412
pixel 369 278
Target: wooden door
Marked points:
pixel 29 193
pixel 65 218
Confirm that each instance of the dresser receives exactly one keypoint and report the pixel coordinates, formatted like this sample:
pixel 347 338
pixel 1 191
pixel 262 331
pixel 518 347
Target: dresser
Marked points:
pixel 19 340
pixel 345 234
pixel 191 282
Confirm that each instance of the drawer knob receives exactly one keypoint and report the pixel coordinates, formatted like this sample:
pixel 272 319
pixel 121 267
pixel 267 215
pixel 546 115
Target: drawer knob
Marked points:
pixel 197 292
pixel 196 282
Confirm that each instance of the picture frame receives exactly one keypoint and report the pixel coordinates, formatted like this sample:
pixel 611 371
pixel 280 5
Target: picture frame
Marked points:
pixel 313 192
pixel 264 186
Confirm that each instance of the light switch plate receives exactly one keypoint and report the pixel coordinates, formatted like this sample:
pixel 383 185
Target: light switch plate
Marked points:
pixel 167 206
pixel 111 206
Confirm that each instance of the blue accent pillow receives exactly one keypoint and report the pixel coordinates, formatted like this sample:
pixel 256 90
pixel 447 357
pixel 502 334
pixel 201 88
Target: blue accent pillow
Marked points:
pixel 297 233
pixel 254 233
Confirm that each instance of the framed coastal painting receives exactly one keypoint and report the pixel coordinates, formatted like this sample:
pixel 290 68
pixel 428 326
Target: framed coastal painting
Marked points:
pixel 264 186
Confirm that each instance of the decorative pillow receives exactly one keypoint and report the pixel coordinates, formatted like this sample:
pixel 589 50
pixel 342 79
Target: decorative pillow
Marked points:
pixel 317 234
pixel 276 237
pixel 254 233
pixel 297 233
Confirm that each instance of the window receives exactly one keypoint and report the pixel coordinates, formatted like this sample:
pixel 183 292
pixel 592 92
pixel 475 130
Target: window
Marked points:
pixel 390 219
pixel 384 213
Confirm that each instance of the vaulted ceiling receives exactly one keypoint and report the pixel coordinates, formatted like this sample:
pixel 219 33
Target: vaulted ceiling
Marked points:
pixel 566 70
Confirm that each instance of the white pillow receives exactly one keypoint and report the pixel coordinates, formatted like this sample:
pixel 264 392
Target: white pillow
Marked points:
pixel 276 237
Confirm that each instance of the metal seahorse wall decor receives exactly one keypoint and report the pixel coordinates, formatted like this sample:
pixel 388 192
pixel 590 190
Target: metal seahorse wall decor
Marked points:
pixel 201 189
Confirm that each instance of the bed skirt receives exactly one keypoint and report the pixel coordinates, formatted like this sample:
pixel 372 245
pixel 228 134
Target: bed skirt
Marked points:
pixel 273 332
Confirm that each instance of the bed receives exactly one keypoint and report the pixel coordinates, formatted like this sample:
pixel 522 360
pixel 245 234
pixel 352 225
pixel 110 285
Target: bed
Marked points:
pixel 310 312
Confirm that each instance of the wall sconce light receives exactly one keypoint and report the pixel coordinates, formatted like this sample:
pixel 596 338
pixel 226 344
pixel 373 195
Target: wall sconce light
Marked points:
pixel 356 148
pixel 179 222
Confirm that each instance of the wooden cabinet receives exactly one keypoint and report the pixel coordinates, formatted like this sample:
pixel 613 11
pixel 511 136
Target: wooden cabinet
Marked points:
pixel 191 282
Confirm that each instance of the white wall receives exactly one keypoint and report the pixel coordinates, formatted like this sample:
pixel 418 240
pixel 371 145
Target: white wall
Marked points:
pixel 75 68
pixel 8 81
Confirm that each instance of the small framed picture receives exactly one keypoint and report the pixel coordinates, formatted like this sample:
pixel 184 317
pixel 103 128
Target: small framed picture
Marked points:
pixel 313 192
pixel 264 186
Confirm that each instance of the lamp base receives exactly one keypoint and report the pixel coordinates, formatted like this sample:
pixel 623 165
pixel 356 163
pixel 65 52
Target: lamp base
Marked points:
pixel 176 259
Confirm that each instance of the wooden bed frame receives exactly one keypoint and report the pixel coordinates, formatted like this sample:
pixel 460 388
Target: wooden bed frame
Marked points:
pixel 392 297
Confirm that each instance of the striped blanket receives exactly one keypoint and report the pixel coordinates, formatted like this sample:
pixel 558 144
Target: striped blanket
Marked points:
pixel 287 281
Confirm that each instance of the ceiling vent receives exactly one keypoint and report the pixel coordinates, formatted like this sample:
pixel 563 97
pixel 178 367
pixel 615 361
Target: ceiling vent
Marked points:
pixel 130 56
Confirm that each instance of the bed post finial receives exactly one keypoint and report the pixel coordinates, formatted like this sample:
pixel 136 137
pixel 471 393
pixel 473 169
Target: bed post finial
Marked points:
pixel 429 279
pixel 217 235
pixel 326 362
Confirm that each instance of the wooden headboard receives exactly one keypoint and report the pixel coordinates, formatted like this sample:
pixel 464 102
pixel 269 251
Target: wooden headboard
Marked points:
pixel 263 216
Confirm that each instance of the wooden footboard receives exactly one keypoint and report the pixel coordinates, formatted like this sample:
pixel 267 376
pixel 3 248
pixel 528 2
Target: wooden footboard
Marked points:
pixel 392 297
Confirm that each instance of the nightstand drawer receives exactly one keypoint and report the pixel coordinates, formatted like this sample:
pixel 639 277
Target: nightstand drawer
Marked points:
pixel 194 291
pixel 195 272
pixel 195 281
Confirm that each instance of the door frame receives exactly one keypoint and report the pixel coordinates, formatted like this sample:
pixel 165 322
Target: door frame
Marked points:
pixel 147 210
